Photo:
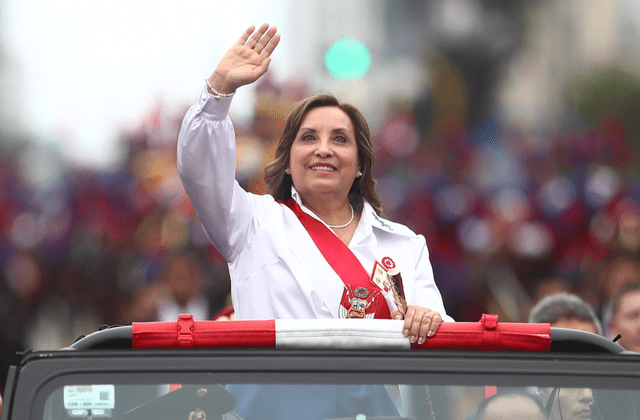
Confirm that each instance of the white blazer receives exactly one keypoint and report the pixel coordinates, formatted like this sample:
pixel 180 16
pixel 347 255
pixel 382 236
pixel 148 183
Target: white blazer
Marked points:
pixel 276 270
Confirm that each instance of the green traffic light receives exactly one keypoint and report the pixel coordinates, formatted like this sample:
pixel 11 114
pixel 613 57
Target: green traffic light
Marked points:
pixel 348 58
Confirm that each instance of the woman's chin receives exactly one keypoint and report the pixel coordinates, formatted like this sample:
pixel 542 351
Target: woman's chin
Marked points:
pixel 325 189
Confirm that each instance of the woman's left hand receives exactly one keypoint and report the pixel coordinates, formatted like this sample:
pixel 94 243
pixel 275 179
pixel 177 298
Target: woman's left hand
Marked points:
pixel 419 323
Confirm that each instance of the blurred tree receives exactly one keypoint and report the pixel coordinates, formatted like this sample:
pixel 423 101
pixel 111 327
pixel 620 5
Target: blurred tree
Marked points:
pixel 610 91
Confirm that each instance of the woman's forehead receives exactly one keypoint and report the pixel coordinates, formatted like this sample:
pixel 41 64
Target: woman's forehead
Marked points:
pixel 326 116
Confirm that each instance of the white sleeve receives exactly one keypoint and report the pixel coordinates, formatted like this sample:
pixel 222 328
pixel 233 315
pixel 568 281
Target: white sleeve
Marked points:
pixel 207 167
pixel 426 291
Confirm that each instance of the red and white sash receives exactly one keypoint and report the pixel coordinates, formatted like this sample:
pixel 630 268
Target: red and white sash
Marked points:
pixel 361 295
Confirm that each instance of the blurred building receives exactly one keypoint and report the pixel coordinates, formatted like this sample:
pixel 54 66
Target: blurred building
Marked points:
pixel 395 74
pixel 516 58
pixel 10 82
pixel 565 40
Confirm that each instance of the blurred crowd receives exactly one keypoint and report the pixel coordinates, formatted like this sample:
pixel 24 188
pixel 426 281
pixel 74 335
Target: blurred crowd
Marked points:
pixel 510 216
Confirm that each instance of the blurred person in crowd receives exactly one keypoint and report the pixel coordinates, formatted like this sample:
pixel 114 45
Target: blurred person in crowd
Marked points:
pixel 25 283
pixel 622 267
pixel 625 318
pixel 321 195
pixel 568 403
pixel 180 289
pixel 25 294
pixel 565 310
pixel 315 245
pixel 511 405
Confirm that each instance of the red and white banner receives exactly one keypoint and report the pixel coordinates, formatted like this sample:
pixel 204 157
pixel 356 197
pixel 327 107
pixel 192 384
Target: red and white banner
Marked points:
pixel 372 334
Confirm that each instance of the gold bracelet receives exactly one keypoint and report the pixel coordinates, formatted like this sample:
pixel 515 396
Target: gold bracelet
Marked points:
pixel 217 94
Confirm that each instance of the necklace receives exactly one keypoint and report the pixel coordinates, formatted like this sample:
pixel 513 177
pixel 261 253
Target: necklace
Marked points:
pixel 346 224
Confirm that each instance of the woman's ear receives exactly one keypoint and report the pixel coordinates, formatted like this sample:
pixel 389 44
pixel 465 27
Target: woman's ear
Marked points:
pixel 287 171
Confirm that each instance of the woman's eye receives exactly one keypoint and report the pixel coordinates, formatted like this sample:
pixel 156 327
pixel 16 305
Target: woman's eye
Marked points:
pixel 308 137
pixel 341 139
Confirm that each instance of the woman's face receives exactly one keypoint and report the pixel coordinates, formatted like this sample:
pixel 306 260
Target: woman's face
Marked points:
pixel 324 155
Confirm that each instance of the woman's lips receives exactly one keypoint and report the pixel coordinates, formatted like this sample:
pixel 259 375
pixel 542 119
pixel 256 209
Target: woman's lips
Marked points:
pixel 323 168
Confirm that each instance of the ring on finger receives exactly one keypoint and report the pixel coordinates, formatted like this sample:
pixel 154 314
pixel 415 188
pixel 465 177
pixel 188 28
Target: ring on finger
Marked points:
pixel 427 316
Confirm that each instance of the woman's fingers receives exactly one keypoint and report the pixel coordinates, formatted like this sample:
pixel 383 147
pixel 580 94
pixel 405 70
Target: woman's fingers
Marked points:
pixel 264 40
pixel 258 40
pixel 273 43
pixel 420 323
pixel 245 36
pixel 257 35
pixel 396 314
pixel 434 322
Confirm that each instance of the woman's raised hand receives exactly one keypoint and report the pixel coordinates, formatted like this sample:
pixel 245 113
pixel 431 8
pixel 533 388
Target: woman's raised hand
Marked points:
pixel 246 60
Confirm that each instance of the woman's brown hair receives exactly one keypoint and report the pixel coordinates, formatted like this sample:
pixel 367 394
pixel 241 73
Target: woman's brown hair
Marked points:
pixel 278 184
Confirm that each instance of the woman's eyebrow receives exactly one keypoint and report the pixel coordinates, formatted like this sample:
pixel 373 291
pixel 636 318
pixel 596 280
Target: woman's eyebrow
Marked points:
pixel 335 130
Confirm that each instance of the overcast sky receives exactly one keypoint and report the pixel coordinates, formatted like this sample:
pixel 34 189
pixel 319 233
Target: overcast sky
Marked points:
pixel 92 68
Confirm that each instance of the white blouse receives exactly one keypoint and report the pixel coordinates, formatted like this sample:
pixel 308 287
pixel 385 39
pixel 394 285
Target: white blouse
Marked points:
pixel 277 272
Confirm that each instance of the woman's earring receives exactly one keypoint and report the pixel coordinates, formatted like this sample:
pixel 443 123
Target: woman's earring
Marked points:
pixel 287 171
pixel 359 174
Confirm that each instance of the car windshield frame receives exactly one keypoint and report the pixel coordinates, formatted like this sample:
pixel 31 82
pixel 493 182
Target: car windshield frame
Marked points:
pixel 43 372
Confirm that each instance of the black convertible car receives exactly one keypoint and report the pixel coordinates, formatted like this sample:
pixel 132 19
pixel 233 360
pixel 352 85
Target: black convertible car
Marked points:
pixel 327 369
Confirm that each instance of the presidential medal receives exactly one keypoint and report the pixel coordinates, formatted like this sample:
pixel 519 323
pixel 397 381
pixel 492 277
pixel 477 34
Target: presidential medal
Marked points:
pixel 358 303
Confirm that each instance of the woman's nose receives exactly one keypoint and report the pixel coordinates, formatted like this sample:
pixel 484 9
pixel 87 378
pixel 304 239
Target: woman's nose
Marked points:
pixel 324 148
